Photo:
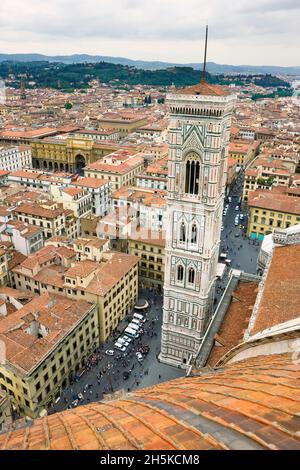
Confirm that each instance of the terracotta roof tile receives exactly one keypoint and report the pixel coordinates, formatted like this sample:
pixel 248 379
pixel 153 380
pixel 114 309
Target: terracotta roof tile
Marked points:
pixel 237 407
pixel 236 320
pixel 281 293
pixel 204 88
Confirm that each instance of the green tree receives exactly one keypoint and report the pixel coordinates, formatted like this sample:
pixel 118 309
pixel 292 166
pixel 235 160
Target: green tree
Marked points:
pixel 68 105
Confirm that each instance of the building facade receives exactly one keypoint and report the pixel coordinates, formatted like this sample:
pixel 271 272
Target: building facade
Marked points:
pixel 149 246
pixel 243 151
pixel 100 193
pixel 50 217
pixel 5 411
pixel 15 158
pixel 199 131
pixel 271 209
pixel 53 337
pixel 68 154
pixel 120 168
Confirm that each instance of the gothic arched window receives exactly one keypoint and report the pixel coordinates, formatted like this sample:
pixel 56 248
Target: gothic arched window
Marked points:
pixel 180 273
pixel 182 235
pixel 194 234
pixel 191 276
pixel 192 176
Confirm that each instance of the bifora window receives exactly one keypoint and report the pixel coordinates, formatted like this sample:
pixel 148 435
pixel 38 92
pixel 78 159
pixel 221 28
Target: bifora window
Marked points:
pixel 194 234
pixel 191 276
pixel 180 273
pixel 192 174
pixel 182 236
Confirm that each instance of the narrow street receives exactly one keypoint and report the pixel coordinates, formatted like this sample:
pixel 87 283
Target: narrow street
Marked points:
pixel 93 387
pixel 240 250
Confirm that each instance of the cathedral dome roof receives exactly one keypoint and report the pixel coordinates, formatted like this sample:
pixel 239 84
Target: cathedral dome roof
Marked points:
pixel 251 404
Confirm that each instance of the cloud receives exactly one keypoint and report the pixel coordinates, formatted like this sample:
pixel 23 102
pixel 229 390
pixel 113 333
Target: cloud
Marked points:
pixel 133 25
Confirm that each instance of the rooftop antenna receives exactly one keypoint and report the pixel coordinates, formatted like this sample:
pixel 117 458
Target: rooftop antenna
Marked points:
pixel 203 77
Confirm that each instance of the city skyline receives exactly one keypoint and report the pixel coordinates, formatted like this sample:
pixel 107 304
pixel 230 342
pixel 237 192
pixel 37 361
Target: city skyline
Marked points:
pixel 168 31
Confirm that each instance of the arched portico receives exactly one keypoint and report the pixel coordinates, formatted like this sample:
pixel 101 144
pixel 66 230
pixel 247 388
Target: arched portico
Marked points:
pixel 79 163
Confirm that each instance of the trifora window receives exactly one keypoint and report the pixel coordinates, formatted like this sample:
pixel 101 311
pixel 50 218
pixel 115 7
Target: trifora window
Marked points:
pixel 192 176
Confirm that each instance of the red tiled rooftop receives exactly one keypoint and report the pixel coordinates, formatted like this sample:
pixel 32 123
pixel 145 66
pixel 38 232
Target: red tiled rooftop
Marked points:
pixel 236 320
pixel 204 88
pixel 281 294
pixel 90 182
pixel 275 199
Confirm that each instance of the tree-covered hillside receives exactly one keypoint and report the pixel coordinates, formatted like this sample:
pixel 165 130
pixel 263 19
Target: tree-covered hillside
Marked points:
pixel 71 76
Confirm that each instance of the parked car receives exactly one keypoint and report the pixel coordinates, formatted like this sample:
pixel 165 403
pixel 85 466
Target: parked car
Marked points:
pixel 139 356
pixel 120 347
pixel 123 341
pixel 80 396
pixel 127 339
pixel 109 352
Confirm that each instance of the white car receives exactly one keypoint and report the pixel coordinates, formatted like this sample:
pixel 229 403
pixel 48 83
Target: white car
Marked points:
pixel 139 356
pixel 237 208
pixel 120 347
pixel 222 228
pixel 127 339
pixel 109 352
pixel 122 341
pixel 241 216
pixel 80 396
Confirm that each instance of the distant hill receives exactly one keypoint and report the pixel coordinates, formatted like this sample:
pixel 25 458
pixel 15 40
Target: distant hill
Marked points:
pixel 150 65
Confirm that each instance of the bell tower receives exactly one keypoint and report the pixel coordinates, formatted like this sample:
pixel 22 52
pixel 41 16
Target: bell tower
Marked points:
pixel 199 131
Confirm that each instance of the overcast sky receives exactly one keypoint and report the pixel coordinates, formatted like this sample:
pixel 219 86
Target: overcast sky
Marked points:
pixel 261 32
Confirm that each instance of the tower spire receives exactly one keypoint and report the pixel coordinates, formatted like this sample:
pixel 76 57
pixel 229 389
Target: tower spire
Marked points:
pixel 203 77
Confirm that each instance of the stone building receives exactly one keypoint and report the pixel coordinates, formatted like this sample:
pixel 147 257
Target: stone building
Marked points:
pixel 199 131
pixel 68 154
